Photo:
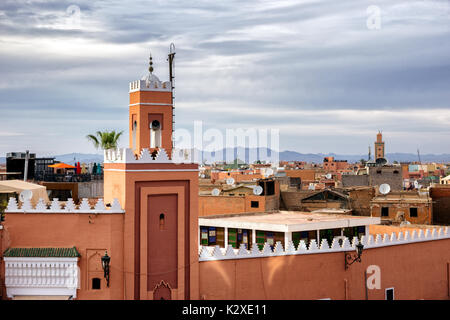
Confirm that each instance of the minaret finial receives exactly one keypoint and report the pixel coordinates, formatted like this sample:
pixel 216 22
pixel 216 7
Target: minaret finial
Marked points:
pixel 150 68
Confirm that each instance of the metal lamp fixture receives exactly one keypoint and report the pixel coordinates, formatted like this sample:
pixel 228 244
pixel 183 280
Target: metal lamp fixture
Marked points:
pixel 105 265
pixel 356 258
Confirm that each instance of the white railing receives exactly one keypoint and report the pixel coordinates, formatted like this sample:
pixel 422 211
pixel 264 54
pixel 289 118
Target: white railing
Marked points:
pixel 69 207
pixel 217 253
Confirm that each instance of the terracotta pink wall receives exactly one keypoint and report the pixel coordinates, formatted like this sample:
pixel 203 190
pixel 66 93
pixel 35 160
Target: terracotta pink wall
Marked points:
pixel 89 233
pixel 416 271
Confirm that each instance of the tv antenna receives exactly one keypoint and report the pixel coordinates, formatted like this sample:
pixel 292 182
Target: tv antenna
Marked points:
pixel 384 188
pixel 215 192
pixel 328 176
pixel 171 59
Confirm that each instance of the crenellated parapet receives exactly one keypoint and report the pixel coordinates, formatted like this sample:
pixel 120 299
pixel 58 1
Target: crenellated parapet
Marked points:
pixel 150 84
pixel 63 207
pixel 369 242
pixel 126 155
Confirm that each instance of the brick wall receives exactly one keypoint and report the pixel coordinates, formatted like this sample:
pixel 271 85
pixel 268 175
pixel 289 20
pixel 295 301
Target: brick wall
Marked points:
pixel 441 204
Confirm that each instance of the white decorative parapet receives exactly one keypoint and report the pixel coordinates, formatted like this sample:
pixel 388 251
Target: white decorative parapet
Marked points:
pixel 150 84
pixel 41 276
pixel 126 155
pixel 217 253
pixel 69 207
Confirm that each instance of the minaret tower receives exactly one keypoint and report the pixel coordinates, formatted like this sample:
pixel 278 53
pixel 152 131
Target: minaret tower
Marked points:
pixel 151 114
pixel 160 198
pixel 379 146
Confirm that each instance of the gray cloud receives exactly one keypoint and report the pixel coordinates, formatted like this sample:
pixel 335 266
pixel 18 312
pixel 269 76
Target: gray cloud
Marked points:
pixel 252 63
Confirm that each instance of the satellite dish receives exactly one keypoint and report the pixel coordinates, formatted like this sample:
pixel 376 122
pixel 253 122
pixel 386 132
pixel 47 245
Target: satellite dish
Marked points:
pixel 416 184
pixel 230 181
pixel 384 188
pixel 329 176
pixel 257 190
pixel 269 172
pixel 215 192
pixel 202 176
pixel 312 186
pixel 25 195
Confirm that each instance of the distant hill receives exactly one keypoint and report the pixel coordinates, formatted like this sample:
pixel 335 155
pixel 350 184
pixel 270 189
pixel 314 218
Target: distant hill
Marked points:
pixel 262 153
pixel 79 157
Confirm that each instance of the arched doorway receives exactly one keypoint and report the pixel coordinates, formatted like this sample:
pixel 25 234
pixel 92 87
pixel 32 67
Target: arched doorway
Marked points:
pixel 162 291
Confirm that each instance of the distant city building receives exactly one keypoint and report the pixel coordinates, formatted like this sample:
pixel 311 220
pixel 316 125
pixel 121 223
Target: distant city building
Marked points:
pixel 15 163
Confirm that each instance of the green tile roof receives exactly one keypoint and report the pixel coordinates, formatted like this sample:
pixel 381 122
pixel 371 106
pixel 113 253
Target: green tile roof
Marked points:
pixel 42 252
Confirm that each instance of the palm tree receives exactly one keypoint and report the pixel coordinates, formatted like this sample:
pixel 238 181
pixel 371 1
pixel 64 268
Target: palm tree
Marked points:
pixel 105 140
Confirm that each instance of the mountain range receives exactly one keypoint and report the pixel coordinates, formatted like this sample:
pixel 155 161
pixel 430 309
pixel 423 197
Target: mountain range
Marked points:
pixel 264 154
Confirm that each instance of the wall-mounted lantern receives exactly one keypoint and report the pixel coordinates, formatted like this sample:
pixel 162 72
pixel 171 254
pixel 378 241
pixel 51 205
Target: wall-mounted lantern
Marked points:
pixel 357 257
pixel 105 265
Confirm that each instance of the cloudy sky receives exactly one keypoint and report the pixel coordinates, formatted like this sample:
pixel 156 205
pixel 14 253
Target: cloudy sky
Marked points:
pixel 327 74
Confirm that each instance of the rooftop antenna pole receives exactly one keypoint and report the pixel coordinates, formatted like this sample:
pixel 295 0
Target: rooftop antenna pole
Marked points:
pixel 418 155
pixel 171 59
pixel 25 173
pixel 369 154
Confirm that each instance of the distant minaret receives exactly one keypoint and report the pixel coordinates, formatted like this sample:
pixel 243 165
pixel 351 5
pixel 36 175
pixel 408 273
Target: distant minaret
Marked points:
pixel 379 146
pixel 368 159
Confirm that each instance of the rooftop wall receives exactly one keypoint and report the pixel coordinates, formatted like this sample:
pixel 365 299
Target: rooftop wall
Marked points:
pixel 416 265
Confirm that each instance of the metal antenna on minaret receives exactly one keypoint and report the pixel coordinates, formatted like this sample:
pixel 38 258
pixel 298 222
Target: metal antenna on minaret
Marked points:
pixel 171 59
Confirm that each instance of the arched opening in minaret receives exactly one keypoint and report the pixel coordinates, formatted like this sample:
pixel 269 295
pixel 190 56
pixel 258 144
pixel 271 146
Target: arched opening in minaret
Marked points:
pixel 155 134
pixel 134 134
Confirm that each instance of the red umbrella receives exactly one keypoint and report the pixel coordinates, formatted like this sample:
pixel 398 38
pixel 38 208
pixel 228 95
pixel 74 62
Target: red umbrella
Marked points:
pixel 78 168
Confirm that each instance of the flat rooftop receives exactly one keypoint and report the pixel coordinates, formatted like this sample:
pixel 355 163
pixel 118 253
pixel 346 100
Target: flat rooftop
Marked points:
pixel 288 221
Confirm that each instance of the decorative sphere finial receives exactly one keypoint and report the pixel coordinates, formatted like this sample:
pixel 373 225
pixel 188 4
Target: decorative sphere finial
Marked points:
pixel 151 64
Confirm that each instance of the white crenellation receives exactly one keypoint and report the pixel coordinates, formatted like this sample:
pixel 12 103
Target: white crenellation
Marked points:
pixel 355 242
pixel 290 248
pixel 55 205
pixel 378 239
pixel 313 245
pixel 12 205
pixel 267 250
pixel 100 206
pixel 302 247
pixel 150 84
pixel 278 249
pixel 346 244
pixel 335 244
pixel 26 205
pixel 162 157
pixel 255 250
pixel 70 207
pixel 217 253
pixel 324 245
pixel 40 206
pixel 242 250
pixel 400 238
